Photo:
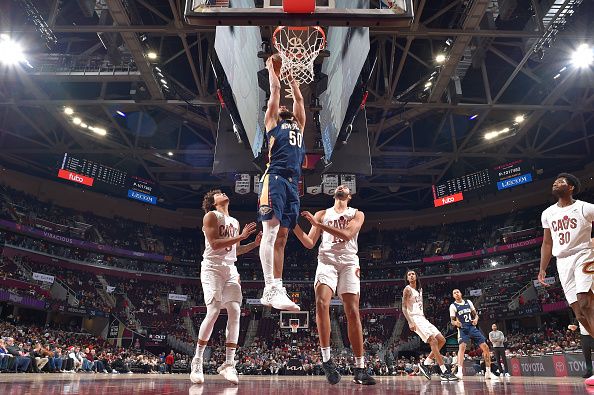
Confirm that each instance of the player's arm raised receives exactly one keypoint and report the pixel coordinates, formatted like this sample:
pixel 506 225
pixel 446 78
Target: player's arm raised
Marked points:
pixel 211 230
pixel 405 295
pixel 311 239
pixel 242 249
pixel 270 118
pixel 345 234
pixel 546 252
pixel 298 104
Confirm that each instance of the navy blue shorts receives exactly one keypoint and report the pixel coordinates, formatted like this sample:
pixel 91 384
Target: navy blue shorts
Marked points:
pixel 466 333
pixel 279 197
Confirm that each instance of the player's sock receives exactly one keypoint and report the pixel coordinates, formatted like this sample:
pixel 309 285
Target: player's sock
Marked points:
pixel 230 355
pixel 325 354
pixel 270 230
pixel 200 350
pixel 277 282
pixel 359 362
pixel 443 368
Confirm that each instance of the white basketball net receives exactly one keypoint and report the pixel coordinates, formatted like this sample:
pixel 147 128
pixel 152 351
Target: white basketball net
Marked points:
pixel 298 47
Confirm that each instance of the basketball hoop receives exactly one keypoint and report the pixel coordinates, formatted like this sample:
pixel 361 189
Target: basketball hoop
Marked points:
pixel 298 47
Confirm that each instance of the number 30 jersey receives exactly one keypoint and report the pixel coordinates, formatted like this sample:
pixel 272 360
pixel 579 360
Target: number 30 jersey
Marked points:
pixel 286 150
pixel 334 249
pixel 571 227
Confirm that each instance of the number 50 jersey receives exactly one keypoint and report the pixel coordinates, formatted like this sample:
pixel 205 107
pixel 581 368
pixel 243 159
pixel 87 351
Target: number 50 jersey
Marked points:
pixel 571 227
pixel 286 150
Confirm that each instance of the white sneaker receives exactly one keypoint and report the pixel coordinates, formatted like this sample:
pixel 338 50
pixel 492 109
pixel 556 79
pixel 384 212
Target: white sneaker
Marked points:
pixel 197 375
pixel 459 374
pixel 281 301
pixel 228 372
pixel 491 376
pixel 266 299
pixel 428 362
pixel 507 375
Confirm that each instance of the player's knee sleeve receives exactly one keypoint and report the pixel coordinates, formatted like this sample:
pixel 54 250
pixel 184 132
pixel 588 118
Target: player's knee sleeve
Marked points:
pixel 233 315
pixel 269 233
pixel 212 313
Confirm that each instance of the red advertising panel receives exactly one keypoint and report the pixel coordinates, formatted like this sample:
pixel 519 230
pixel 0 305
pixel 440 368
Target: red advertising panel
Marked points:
pixel 75 177
pixel 442 201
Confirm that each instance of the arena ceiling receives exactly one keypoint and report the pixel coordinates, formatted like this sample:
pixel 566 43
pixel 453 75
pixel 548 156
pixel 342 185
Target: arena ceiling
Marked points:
pixel 91 55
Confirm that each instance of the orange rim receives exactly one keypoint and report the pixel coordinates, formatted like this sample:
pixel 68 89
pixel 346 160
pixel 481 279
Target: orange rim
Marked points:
pixel 300 28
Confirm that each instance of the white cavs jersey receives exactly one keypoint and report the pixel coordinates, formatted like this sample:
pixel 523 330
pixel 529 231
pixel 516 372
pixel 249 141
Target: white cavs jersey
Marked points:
pixel 414 304
pixel 228 227
pixel 571 227
pixel 333 248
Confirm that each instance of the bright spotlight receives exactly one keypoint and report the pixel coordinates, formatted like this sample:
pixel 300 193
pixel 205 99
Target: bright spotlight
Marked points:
pixel 152 55
pixel 99 131
pixel 440 58
pixel 68 110
pixel 83 125
pixel 494 263
pixel 491 135
pixel 170 153
pixel 120 113
pixel 76 120
pixel 583 56
pixel 428 84
pixel 11 52
pixel 519 118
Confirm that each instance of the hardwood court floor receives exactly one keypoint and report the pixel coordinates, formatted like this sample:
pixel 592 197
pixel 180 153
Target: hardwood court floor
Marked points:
pixel 100 384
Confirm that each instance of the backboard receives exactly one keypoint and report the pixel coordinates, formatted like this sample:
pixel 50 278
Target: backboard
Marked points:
pixel 367 13
pixel 286 317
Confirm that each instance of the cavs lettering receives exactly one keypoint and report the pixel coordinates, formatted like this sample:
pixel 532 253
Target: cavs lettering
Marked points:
pixel 561 225
pixel 340 223
pixel 226 232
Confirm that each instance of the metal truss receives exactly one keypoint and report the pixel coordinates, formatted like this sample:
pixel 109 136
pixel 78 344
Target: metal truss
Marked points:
pixel 417 135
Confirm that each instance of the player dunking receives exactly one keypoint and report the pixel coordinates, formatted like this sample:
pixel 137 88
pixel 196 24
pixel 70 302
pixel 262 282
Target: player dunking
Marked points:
pixel 567 235
pixel 278 204
pixel 464 316
pixel 220 279
pixel 412 307
pixel 337 272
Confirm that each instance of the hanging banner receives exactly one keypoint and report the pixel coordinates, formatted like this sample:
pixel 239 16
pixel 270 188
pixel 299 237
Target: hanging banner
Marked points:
pixel 110 289
pixel 476 292
pixel 350 181
pixel 46 278
pixel 547 280
pixel 182 298
pixel 314 190
pixel 242 183
pixel 257 184
pixel 330 182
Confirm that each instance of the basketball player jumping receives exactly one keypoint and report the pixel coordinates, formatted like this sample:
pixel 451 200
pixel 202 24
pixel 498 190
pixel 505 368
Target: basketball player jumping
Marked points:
pixel 412 307
pixel 567 235
pixel 337 272
pixel 220 279
pixel 278 204
pixel 462 312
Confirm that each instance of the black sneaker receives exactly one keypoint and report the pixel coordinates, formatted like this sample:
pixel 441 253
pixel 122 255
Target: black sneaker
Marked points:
pixel 447 376
pixel 361 377
pixel 425 371
pixel 330 371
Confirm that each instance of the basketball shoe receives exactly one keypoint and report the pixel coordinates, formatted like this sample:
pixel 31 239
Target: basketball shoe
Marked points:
pixel 228 372
pixel 361 377
pixel 197 375
pixel 280 300
pixel 425 371
pixel 330 371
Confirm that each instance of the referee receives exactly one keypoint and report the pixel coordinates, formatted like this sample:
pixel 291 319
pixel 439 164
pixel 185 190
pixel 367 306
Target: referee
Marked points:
pixel 497 338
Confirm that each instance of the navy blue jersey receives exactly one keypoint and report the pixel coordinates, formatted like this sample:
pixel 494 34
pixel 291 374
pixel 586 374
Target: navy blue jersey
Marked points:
pixel 462 311
pixel 286 150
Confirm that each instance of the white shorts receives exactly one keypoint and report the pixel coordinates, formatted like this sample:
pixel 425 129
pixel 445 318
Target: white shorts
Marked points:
pixel 342 278
pixel 220 283
pixel 572 278
pixel 424 328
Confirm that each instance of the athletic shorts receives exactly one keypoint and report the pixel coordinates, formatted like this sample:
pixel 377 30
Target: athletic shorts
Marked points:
pixel 424 328
pixel 342 278
pixel 220 283
pixel 471 332
pixel 279 197
pixel 572 278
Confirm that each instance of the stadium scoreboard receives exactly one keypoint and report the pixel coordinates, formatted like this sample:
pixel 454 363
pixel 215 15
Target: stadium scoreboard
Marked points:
pixel 504 176
pixel 106 179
